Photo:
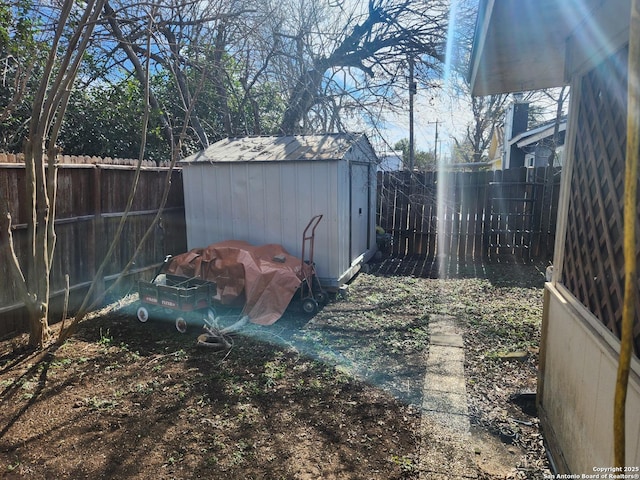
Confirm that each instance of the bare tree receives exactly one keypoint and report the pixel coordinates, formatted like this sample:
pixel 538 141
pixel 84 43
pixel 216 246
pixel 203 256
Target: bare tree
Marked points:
pixel 94 296
pixel 372 47
pixel 274 66
pixel 558 98
pixel 31 277
pixel 488 113
pixel 127 44
pixel 188 36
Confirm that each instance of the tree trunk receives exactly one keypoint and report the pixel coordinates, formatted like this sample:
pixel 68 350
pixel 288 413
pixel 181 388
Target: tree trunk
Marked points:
pixel 302 99
pixel 40 333
pixel 38 282
pixel 218 79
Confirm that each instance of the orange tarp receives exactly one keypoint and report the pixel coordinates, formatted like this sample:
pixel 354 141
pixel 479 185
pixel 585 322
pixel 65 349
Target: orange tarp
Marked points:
pixel 265 277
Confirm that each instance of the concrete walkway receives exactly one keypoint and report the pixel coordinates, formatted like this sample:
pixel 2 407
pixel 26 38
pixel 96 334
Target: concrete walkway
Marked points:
pixel 445 449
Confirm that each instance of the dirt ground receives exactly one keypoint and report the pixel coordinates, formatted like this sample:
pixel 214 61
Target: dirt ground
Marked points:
pixel 335 396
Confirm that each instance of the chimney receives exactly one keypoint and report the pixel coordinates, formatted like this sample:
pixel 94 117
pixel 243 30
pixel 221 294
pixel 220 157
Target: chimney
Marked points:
pixel 516 122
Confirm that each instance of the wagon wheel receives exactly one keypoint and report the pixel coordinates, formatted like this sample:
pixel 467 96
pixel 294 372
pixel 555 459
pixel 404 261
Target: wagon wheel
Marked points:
pixel 181 325
pixel 309 306
pixel 142 314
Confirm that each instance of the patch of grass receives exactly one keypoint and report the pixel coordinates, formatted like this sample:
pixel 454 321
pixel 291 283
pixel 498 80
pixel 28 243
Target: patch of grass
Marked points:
pixel 132 355
pixel 29 385
pixel 174 457
pixel 105 338
pixel 13 466
pixel 146 388
pixel 95 403
pixel 247 413
pixel 406 464
pixel 179 355
pixel 347 383
pixel 115 365
pixel 506 317
pixel 241 453
pixel 61 363
pixel 274 370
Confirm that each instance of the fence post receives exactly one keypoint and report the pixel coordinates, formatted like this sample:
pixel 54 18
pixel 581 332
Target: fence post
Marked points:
pixel 487 216
pixel 96 233
pixel 431 196
pixel 538 241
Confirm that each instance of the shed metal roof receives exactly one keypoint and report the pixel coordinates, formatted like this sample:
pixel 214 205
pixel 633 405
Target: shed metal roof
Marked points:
pixel 522 45
pixel 279 148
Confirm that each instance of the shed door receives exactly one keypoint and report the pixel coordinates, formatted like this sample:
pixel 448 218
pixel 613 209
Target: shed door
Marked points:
pixel 359 210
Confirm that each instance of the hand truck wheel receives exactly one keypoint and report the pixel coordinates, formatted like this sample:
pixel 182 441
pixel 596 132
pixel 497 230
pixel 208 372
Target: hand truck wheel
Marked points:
pixel 309 306
pixel 321 297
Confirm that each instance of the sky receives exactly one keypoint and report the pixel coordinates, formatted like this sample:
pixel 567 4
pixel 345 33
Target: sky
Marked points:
pixel 451 112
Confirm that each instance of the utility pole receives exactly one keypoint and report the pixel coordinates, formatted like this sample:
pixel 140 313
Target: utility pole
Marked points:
pixel 435 144
pixel 435 147
pixel 413 88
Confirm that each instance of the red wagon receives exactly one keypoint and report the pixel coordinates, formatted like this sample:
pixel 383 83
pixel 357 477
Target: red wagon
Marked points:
pixel 264 278
pixel 176 297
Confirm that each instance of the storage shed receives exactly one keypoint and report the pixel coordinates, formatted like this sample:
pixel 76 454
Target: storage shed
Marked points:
pixel 266 189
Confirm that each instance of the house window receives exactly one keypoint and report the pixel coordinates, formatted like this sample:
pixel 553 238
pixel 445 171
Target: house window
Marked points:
pixel 530 160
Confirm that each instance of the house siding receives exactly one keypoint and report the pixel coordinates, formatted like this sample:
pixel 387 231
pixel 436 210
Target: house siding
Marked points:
pixel 576 400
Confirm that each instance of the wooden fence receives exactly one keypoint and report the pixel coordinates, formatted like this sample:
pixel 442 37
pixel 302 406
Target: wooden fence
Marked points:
pixel 90 203
pixel 482 216
pixel 470 217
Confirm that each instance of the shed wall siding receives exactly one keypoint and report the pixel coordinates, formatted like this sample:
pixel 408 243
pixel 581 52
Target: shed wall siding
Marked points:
pixel 577 399
pixel 270 203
